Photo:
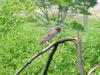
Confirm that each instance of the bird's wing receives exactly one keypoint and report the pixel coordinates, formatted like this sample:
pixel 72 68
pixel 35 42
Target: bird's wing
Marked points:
pixel 44 38
pixel 52 32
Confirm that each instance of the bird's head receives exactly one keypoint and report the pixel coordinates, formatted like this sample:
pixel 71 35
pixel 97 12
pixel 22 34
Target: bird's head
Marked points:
pixel 59 26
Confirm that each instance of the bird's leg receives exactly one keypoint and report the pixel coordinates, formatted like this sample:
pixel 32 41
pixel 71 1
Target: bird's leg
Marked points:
pixel 47 42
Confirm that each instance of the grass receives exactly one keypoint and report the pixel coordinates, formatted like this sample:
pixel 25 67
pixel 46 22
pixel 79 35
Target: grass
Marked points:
pixel 20 37
pixel 21 42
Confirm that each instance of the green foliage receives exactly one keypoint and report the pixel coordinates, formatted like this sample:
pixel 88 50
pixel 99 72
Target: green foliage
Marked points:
pixel 10 11
pixel 61 2
pixel 88 3
pixel 20 44
pixel 64 6
pixel 77 26
pixel 20 37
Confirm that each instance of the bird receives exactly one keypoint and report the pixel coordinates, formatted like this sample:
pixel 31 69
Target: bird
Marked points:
pixel 51 33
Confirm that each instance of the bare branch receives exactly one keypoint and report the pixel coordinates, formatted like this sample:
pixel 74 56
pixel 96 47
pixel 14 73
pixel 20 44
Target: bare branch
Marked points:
pixel 79 56
pixel 93 69
pixel 45 69
pixel 41 52
pixel 32 58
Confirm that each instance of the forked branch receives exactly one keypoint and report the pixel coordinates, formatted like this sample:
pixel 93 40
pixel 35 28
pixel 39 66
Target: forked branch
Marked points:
pixel 54 44
pixel 46 67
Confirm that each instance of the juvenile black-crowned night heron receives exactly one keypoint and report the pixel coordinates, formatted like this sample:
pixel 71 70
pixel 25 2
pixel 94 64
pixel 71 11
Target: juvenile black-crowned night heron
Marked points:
pixel 51 33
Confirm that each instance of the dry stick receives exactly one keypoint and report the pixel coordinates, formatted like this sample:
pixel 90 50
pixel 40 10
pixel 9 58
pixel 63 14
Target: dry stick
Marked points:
pixel 43 11
pixel 78 52
pixel 41 52
pixel 93 69
pixel 45 69
pixel 79 56
pixel 32 58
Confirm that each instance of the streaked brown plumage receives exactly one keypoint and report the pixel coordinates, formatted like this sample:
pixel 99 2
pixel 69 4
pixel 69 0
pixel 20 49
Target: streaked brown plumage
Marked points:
pixel 51 33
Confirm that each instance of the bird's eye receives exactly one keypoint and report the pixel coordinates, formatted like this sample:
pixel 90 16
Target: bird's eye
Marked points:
pixel 61 26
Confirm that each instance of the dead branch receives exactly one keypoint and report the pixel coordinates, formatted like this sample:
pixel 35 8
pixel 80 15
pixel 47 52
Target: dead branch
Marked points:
pixel 79 56
pixel 32 58
pixel 45 69
pixel 73 39
pixel 93 69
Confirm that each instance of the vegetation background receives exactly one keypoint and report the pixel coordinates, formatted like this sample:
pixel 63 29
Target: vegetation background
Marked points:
pixel 20 34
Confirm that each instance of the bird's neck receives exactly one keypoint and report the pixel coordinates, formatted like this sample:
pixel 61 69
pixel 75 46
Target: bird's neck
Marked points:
pixel 58 29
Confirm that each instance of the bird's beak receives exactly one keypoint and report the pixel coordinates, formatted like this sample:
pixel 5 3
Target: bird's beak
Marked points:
pixel 62 27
